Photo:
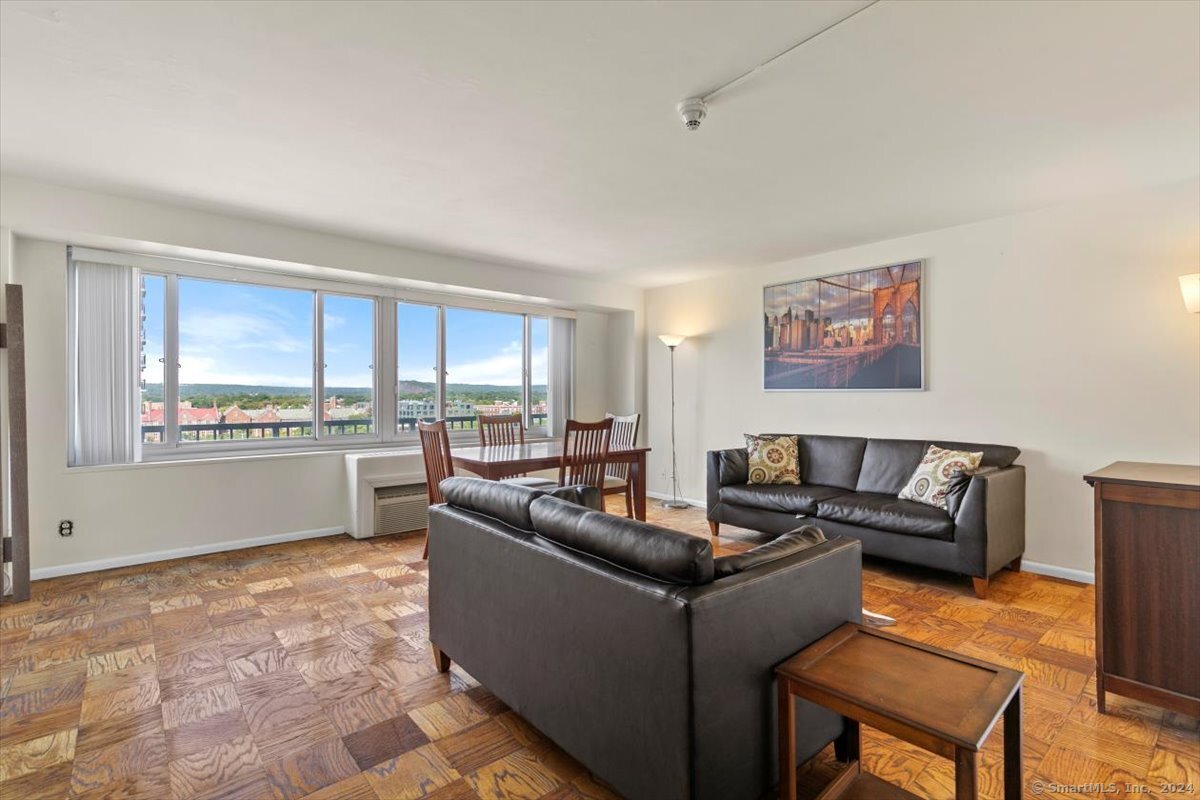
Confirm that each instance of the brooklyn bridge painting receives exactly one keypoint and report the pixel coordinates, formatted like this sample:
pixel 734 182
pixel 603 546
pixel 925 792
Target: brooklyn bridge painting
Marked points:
pixel 857 330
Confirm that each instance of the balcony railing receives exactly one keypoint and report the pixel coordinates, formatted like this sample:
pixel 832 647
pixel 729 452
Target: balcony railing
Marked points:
pixel 237 431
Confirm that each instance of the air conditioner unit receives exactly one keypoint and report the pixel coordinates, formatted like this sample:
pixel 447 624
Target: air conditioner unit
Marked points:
pixel 399 509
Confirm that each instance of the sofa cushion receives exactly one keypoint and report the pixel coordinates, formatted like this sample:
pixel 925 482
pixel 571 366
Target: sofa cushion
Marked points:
pixel 773 459
pixel 994 455
pixel 888 463
pixel 886 512
pixel 506 502
pixel 790 499
pixel 654 552
pixel 831 460
pixel 784 545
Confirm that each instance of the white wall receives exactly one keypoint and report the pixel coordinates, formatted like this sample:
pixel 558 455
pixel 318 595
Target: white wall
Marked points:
pixel 123 513
pixel 1060 331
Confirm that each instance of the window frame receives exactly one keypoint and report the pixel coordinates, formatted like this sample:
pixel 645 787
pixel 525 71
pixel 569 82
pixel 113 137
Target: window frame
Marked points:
pixel 386 348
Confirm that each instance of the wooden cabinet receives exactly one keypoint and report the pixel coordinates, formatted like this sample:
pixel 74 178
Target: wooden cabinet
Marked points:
pixel 1148 583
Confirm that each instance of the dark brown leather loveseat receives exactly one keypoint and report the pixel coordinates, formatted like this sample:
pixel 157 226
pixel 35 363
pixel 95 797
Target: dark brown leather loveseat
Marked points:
pixel 849 486
pixel 629 645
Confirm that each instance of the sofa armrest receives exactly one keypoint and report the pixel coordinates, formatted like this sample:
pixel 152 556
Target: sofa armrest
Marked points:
pixel 990 523
pixel 713 481
pixel 731 462
pixel 581 495
pixel 742 627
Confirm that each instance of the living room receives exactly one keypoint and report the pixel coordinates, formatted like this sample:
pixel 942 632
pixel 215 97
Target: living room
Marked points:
pixel 841 355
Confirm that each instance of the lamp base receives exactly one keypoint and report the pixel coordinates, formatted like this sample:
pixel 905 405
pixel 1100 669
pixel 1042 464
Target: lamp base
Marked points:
pixel 674 504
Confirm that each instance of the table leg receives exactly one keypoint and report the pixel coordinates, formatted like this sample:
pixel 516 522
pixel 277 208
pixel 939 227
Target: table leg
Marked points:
pixel 637 474
pixel 1013 768
pixel 787 741
pixel 848 746
pixel 966 774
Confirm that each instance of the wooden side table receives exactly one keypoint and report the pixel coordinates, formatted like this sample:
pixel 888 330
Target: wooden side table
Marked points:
pixel 935 699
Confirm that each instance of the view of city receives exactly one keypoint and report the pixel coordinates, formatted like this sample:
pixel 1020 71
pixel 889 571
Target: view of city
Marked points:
pixel 212 412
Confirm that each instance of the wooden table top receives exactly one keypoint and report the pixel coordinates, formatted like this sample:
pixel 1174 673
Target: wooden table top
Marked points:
pixel 530 451
pixel 949 696
pixel 1145 473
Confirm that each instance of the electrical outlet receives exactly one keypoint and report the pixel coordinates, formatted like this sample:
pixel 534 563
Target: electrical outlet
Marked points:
pixel 66 527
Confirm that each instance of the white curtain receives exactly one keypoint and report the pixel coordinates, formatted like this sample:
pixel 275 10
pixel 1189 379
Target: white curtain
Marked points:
pixel 106 349
pixel 562 374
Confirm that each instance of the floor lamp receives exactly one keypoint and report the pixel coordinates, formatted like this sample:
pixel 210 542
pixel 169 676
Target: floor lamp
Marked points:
pixel 672 341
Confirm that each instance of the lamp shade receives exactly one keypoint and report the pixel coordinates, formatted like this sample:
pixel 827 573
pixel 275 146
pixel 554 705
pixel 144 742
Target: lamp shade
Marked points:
pixel 1190 286
pixel 674 339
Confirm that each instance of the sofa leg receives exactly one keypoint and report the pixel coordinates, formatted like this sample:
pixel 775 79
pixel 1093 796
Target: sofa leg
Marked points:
pixel 714 527
pixel 440 659
pixel 1015 564
pixel 981 586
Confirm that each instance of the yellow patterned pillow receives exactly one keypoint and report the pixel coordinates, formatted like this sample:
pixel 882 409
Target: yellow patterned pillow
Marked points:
pixel 773 459
pixel 936 473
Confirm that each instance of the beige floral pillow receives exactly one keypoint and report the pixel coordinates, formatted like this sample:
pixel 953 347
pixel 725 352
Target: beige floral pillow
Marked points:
pixel 773 459
pixel 936 473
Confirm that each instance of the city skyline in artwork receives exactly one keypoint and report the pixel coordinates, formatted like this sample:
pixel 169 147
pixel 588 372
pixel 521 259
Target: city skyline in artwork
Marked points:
pixel 854 330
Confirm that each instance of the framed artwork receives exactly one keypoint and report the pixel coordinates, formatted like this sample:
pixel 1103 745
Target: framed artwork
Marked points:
pixel 853 331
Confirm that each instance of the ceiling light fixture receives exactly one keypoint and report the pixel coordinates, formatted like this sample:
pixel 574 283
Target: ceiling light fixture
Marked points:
pixel 694 109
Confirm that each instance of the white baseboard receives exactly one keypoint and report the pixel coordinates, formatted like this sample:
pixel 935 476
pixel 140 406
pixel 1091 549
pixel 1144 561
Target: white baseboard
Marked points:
pixel 178 552
pixel 688 500
pixel 1066 573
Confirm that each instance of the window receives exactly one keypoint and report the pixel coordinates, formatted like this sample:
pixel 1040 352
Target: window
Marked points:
pixel 349 363
pixel 150 382
pixel 175 358
pixel 245 361
pixel 416 365
pixel 484 365
pixel 539 372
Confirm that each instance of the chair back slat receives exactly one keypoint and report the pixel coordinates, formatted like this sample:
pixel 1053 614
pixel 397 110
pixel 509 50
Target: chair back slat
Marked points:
pixel 435 448
pixel 624 437
pixel 501 429
pixel 585 453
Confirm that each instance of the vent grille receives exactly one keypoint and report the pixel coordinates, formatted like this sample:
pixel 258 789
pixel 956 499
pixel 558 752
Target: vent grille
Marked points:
pixel 399 509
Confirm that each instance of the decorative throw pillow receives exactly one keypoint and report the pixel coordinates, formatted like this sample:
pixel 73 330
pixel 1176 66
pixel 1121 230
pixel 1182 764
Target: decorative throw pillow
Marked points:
pixel 937 473
pixel 773 459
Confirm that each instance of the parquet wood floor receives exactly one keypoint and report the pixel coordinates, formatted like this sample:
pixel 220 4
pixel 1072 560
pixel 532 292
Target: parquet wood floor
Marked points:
pixel 303 670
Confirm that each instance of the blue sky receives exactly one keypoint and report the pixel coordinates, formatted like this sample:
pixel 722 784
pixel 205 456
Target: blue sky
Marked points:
pixel 243 334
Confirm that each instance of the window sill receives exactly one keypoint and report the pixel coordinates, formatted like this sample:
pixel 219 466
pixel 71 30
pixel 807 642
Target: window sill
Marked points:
pixel 211 457
pixel 195 459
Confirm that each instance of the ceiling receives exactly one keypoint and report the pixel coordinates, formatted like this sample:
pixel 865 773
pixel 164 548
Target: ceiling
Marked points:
pixel 545 133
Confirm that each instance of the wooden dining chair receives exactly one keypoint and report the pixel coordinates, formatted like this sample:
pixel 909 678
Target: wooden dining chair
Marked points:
pixel 435 449
pixel 585 453
pixel 501 429
pixel 617 474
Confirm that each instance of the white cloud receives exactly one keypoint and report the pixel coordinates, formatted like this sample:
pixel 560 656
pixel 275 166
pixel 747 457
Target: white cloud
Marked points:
pixel 200 369
pixel 502 369
pixel 361 380
pixel 216 331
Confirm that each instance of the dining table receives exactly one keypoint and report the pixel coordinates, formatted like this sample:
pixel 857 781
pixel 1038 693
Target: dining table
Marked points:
pixel 496 461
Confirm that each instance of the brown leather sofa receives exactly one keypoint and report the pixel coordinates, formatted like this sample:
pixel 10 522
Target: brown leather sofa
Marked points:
pixel 629 645
pixel 849 487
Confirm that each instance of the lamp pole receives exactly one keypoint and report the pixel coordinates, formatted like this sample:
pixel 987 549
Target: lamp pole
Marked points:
pixel 673 341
